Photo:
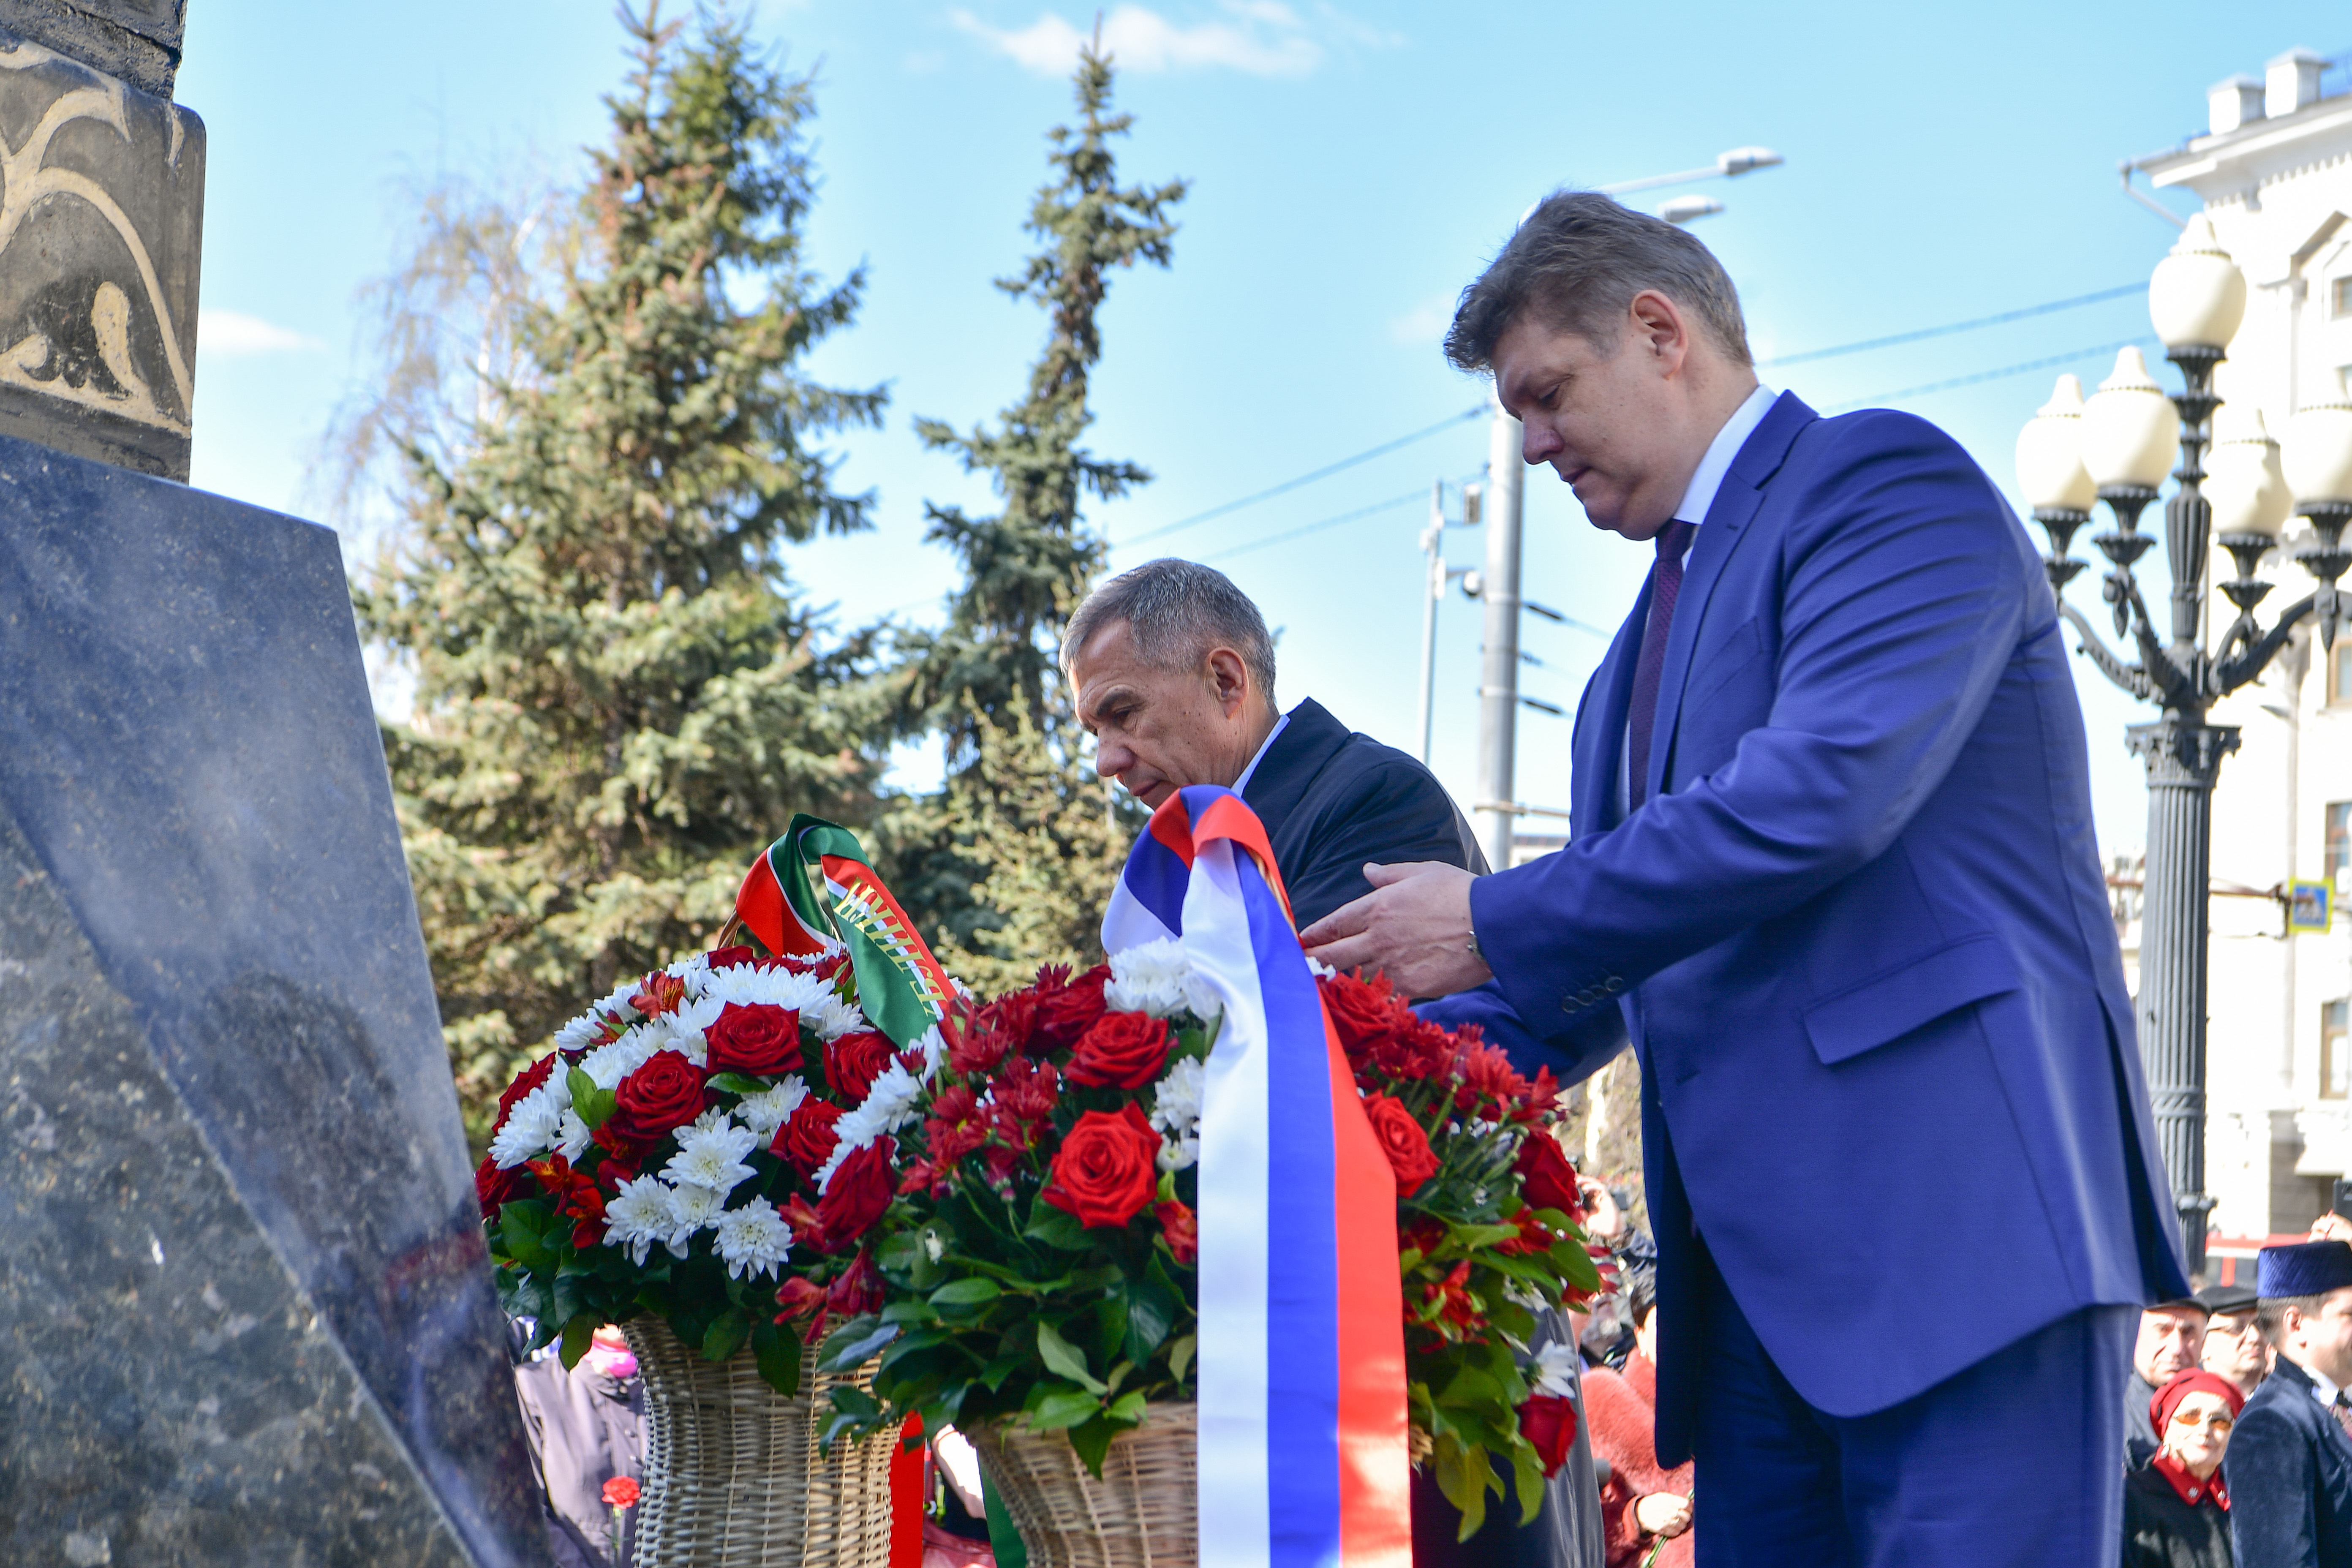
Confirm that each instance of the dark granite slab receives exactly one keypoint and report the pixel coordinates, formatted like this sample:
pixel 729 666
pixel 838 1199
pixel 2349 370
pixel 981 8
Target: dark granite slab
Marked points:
pixel 244 1311
pixel 100 242
pixel 138 41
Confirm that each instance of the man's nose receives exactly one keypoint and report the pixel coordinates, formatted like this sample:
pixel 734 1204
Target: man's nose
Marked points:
pixel 1109 761
pixel 1536 444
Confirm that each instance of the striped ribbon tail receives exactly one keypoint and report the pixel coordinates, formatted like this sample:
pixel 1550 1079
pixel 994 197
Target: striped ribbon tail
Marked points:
pixel 812 887
pixel 1303 1460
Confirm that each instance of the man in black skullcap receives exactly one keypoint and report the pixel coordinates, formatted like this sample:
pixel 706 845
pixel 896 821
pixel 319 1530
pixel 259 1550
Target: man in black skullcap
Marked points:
pixel 2290 1461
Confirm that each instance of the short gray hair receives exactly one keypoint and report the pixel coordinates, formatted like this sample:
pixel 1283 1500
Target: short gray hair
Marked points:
pixel 1176 611
pixel 1576 264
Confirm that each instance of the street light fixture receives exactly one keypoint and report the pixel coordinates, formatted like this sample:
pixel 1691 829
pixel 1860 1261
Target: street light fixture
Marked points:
pixel 1726 166
pixel 2116 447
pixel 1688 209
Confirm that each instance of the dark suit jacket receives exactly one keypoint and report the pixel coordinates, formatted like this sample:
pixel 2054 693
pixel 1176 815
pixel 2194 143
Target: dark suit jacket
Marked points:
pixel 2290 1469
pixel 1859 932
pixel 1332 799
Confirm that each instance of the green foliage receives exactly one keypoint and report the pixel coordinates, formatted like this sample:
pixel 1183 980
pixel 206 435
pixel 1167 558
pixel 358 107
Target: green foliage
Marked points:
pixel 1008 866
pixel 618 694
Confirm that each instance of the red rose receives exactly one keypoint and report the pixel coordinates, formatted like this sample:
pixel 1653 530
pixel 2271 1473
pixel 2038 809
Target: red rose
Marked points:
pixel 1123 1050
pixel 531 1077
pixel 1106 1169
pixel 621 1492
pixel 853 1061
pixel 1067 1009
pixel 755 1037
pixel 861 1188
pixel 493 1188
pixel 1548 1421
pixel 728 957
pixel 1182 1227
pixel 1363 1012
pixel 1546 1177
pixel 806 1141
pixel 665 1093
pixel 1402 1140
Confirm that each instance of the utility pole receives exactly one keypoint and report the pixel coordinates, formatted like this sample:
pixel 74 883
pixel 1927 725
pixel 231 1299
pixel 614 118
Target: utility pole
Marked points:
pixel 1499 687
pixel 1432 588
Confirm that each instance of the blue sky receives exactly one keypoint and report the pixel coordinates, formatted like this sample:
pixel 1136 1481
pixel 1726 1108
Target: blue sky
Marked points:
pixel 1352 165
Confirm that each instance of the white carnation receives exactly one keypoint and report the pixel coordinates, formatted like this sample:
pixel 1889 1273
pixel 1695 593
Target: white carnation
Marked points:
pixel 637 1217
pixel 1554 1370
pixel 770 1108
pixel 753 1238
pixel 711 1156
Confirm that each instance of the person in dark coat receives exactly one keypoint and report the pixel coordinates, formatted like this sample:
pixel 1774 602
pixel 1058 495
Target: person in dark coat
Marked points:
pixel 1172 670
pixel 2290 1458
pixel 2176 1501
pixel 586 1428
pixel 2170 1341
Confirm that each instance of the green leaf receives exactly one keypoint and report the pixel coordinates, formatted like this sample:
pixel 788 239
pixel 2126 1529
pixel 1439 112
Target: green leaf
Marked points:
pixel 1091 1440
pixel 726 1336
pixel 994 1373
pixel 900 1252
pixel 1062 1356
pixel 582 1086
pixel 1180 1357
pixel 910 1312
pixel 1127 1409
pixel 970 1291
pixel 577 1335
pixel 1065 1407
pixel 521 1225
pixel 1055 1227
pixel 1149 1315
pixel 732 1082
pixel 777 1351
pixel 849 1347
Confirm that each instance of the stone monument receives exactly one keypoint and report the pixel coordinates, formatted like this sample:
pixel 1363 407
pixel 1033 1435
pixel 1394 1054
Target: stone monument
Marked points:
pixel 246 1315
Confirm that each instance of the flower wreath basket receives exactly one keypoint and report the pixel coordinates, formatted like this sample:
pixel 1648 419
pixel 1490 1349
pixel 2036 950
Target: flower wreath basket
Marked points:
pixel 696 1160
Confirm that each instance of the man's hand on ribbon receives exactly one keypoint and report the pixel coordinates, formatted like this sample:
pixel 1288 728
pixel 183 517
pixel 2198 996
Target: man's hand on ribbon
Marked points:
pixel 1414 927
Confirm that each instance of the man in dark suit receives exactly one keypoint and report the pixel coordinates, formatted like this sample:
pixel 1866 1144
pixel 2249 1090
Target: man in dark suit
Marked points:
pixel 2290 1462
pixel 1832 866
pixel 1173 672
pixel 1174 675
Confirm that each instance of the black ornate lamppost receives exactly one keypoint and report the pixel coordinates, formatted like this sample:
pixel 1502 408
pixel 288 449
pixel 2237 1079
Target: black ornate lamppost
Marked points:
pixel 2116 449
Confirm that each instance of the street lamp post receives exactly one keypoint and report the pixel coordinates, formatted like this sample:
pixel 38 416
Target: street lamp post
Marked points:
pixel 2114 449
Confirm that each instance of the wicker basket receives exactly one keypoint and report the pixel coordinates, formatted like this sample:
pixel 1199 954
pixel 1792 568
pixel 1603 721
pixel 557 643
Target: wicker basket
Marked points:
pixel 1143 1513
pixel 733 1474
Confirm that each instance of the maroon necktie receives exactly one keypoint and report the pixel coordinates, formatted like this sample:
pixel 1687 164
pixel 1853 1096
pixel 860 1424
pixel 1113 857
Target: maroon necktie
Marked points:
pixel 1665 587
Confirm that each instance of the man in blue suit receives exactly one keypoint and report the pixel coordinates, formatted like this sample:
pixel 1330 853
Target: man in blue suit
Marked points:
pixel 2290 1462
pixel 1832 869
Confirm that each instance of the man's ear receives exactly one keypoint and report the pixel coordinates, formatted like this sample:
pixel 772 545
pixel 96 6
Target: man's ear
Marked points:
pixel 1229 677
pixel 1659 329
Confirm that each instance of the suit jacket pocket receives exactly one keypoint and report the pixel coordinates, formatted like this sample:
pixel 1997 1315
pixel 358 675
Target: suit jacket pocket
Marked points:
pixel 1892 1004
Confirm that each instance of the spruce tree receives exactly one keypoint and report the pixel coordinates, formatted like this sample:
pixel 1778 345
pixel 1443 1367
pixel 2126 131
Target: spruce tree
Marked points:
pixel 618 695
pixel 1010 864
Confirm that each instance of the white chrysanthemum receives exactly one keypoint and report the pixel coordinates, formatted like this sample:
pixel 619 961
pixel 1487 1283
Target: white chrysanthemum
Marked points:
pixel 572 1136
pixel 580 1033
pixel 697 1014
pixel 618 1003
pixel 607 1066
pixel 1554 1371
pixel 770 1108
pixel 691 1209
pixel 934 1047
pixel 534 1125
pixel 1202 997
pixel 667 1035
pixel 695 970
pixel 831 1016
pixel 711 1156
pixel 1176 1099
pixel 753 1238
pixel 1526 1296
pixel 1147 978
pixel 1320 970
pixel 1179 1153
pixel 637 1217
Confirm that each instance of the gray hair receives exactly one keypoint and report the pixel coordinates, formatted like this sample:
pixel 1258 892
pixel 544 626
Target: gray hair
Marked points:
pixel 1176 611
pixel 1575 266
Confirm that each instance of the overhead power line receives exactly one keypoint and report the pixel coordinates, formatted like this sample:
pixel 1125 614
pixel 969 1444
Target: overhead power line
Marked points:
pixel 1287 486
pixel 1971 326
pixel 1421 494
pixel 2051 363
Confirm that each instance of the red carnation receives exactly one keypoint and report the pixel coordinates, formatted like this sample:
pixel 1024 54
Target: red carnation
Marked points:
pixel 1546 1177
pixel 806 1141
pixel 1026 1089
pixel 665 1093
pixel 1416 1049
pixel 621 1492
pixel 1182 1229
pixel 1123 1050
pixel 861 1189
pixel 756 1037
pixel 1548 1422
pixel 493 1188
pixel 1068 1009
pixel 1106 1169
pixel 1487 1074
pixel 999 1029
pixel 1402 1140
pixel 531 1077
pixel 853 1061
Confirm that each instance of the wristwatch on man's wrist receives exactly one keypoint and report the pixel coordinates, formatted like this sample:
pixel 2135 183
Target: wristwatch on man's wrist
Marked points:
pixel 1472 946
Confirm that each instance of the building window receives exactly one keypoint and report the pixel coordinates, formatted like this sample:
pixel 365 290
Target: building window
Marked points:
pixel 2339 672
pixel 2339 837
pixel 2339 297
pixel 2335 1051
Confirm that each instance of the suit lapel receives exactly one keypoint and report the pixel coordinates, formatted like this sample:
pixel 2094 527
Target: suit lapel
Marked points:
pixel 1735 503
pixel 1601 727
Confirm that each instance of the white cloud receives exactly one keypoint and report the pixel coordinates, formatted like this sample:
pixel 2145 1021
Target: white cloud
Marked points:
pixel 236 335
pixel 1259 37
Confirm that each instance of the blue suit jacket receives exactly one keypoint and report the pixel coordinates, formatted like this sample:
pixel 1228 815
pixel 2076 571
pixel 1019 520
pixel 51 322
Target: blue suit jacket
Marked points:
pixel 2290 1474
pixel 1859 934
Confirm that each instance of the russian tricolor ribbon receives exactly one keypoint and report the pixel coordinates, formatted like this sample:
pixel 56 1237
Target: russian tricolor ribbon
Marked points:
pixel 812 887
pixel 1301 1385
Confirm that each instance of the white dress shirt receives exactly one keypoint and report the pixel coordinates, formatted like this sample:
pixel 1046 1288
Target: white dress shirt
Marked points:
pixel 2322 1389
pixel 1241 783
pixel 1697 498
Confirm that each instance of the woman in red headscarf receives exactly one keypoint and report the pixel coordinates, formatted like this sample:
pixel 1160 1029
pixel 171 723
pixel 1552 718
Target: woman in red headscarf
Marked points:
pixel 2176 1503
